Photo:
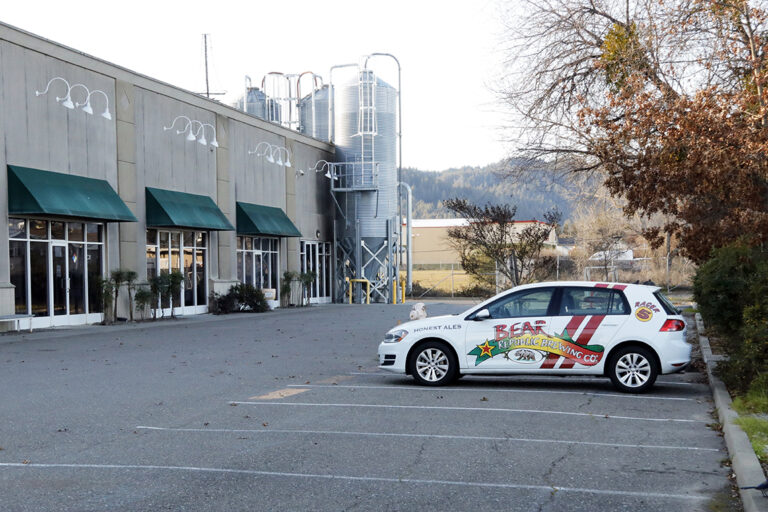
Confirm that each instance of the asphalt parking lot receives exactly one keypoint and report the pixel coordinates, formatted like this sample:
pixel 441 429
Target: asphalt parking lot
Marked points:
pixel 287 411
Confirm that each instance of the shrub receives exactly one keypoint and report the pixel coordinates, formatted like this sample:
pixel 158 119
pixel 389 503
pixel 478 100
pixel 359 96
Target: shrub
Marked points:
pixel 476 290
pixel 289 277
pixel 130 277
pixel 721 284
pixel 250 298
pixel 239 298
pixel 732 292
pixel 107 289
pixel 175 279
pixel 747 361
pixel 223 304
pixel 307 280
pixel 144 299
pixel 747 365
pixel 158 286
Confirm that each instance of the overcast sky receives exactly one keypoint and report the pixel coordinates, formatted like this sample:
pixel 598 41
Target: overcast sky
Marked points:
pixel 447 49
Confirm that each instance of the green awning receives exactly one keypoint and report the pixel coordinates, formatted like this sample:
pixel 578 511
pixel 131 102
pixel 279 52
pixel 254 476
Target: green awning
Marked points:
pixel 166 208
pixel 255 219
pixel 36 192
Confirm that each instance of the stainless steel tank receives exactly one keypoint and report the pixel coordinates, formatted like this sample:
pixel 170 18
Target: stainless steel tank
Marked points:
pixel 313 114
pixel 274 110
pixel 256 102
pixel 374 207
pixel 366 148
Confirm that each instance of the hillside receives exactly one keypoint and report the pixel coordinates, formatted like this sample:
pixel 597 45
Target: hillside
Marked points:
pixel 480 185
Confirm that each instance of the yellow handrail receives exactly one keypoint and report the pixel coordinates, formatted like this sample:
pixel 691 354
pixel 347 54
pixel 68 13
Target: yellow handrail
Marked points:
pixel 367 289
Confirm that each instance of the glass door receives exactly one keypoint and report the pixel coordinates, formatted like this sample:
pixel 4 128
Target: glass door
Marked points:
pixel 183 252
pixel 313 259
pixel 76 277
pixel 56 267
pixel 60 277
pixel 257 270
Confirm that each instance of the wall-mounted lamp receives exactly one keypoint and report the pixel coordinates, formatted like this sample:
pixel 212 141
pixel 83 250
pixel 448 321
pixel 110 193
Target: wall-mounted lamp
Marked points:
pixel 191 133
pixel 287 161
pixel 328 167
pixel 269 151
pixel 66 101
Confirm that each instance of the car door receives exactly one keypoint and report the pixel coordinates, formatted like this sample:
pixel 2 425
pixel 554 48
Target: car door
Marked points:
pixel 505 340
pixel 586 321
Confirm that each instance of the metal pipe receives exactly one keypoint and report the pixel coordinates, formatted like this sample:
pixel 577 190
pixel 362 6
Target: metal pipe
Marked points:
pixel 314 88
pixel 270 110
pixel 248 85
pixel 408 237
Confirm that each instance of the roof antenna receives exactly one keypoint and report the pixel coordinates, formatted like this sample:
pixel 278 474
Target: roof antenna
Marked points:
pixel 208 92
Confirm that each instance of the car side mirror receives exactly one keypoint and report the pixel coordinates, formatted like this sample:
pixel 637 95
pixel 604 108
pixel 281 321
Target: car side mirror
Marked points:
pixel 483 314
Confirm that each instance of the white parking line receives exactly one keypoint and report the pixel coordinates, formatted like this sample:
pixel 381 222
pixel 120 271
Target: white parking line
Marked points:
pixel 485 390
pixel 533 378
pixel 428 436
pixel 485 409
pixel 253 472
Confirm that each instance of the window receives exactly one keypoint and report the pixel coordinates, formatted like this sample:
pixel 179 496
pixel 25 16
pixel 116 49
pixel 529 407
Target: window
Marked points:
pixel 56 266
pixel 592 301
pixel 533 302
pixel 180 251
pixel 669 308
pixel 257 263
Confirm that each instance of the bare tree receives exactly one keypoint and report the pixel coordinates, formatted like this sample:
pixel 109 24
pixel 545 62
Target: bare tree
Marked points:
pixel 489 241
pixel 665 99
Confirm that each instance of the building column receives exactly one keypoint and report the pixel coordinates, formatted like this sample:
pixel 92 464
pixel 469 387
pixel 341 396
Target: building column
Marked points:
pixel 223 274
pixel 7 290
pixel 126 242
pixel 291 259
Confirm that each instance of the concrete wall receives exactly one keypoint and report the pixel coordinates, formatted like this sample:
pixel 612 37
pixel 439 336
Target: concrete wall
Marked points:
pixel 39 132
pixel 132 151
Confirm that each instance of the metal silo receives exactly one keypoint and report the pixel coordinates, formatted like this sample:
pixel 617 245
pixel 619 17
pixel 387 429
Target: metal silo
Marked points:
pixel 313 113
pixel 274 111
pixel 365 134
pixel 255 104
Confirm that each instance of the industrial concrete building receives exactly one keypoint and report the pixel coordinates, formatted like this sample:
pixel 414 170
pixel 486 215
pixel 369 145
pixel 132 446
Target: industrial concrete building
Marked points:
pixel 105 168
pixel 432 247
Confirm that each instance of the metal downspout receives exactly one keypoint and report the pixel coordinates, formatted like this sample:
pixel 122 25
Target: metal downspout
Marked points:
pixel 248 85
pixel 400 161
pixel 408 237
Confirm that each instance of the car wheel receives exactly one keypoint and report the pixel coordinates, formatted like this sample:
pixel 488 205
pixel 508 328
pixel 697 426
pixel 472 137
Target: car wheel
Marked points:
pixel 632 370
pixel 433 364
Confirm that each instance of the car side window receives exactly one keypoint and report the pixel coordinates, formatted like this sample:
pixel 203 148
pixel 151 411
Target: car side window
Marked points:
pixel 592 301
pixel 619 305
pixel 525 303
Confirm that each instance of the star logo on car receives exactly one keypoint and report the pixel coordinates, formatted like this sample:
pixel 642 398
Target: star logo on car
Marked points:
pixel 485 349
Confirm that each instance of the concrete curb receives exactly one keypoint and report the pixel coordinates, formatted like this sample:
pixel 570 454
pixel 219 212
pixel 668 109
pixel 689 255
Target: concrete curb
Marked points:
pixel 180 321
pixel 745 465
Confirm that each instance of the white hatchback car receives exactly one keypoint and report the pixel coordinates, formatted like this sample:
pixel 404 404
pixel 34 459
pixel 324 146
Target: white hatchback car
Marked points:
pixel 628 332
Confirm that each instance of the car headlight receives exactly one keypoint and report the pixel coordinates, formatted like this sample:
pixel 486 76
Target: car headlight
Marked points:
pixel 395 336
